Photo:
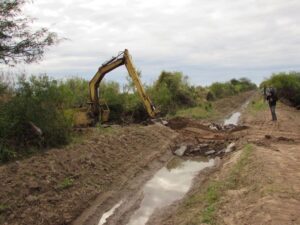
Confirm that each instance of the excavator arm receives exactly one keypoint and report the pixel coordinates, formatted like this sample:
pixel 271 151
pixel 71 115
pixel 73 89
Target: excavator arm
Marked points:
pixel 123 58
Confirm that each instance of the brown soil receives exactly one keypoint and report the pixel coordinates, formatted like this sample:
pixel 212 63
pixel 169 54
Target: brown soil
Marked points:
pixel 267 191
pixel 225 106
pixel 55 187
pixel 273 196
pixel 76 184
pixel 200 139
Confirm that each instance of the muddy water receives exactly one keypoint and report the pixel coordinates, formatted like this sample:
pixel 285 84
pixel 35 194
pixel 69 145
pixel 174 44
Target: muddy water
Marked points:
pixel 168 185
pixel 233 119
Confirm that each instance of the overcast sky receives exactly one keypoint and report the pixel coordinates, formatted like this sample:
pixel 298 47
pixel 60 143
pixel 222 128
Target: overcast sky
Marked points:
pixel 206 40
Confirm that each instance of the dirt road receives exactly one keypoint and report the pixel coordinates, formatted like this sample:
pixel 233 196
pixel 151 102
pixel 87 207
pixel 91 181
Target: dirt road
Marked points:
pixel 257 185
pixel 273 196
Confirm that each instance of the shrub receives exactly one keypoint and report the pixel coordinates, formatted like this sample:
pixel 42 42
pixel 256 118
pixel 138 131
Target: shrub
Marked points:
pixel 234 86
pixel 287 86
pixel 171 92
pixel 110 93
pixel 6 154
pixel 75 91
pixel 36 102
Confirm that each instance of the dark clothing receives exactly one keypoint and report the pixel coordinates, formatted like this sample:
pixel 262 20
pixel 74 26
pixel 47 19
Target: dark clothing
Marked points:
pixel 272 108
pixel 272 99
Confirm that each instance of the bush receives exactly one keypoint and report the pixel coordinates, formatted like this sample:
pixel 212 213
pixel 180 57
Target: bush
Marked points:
pixel 109 92
pixel 171 92
pixel 287 86
pixel 36 102
pixel 6 154
pixel 75 91
pixel 233 87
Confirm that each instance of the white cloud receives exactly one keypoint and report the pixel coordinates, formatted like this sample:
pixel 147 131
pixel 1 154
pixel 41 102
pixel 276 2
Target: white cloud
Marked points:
pixel 208 40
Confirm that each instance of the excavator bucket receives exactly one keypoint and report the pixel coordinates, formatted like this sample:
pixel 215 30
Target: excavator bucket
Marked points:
pixel 104 110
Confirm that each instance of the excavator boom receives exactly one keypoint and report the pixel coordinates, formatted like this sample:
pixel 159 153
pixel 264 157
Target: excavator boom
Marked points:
pixel 123 58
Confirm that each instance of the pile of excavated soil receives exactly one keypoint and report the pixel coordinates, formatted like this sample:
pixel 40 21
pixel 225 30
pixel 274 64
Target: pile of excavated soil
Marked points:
pixel 56 186
pixel 203 138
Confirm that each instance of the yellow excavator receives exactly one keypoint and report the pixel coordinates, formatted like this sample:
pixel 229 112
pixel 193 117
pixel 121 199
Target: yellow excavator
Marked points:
pixel 99 111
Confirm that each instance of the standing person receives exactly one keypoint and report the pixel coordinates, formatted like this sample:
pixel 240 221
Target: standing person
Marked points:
pixel 272 99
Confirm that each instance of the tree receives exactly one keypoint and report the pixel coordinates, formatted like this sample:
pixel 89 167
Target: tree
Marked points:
pixel 130 86
pixel 18 42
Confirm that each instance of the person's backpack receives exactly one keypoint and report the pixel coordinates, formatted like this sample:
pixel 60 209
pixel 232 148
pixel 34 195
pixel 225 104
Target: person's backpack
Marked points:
pixel 274 94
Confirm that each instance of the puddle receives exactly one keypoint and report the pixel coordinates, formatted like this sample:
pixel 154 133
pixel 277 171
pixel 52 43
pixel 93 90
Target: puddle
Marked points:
pixel 233 119
pixel 168 185
pixel 109 213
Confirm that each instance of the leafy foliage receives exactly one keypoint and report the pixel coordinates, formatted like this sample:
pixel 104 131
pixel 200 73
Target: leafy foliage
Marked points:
pixel 37 102
pixel 75 91
pixel 287 86
pixel 234 86
pixel 18 43
pixel 171 91
pixel 110 92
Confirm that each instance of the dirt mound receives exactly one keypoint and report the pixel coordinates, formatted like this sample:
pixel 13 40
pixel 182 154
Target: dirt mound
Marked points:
pixel 55 187
pixel 178 123
pixel 203 138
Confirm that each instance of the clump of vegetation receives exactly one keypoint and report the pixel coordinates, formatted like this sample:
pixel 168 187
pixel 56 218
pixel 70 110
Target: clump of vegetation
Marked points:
pixel 66 183
pixel 258 105
pixel 287 86
pixel 171 92
pixel 3 208
pixel 202 111
pixel 75 91
pixel 232 87
pixel 33 117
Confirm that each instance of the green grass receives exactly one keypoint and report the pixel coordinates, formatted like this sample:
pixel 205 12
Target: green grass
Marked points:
pixel 6 154
pixel 258 105
pixel 3 208
pixel 202 111
pixel 233 178
pixel 66 183
pixel 211 198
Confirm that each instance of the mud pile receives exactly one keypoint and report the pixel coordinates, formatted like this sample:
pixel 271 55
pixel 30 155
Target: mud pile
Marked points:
pixel 204 138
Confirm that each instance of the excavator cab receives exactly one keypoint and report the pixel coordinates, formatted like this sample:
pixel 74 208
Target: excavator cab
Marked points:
pixel 98 110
